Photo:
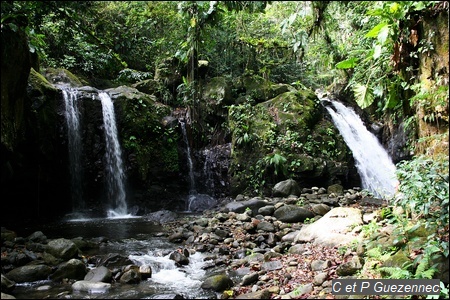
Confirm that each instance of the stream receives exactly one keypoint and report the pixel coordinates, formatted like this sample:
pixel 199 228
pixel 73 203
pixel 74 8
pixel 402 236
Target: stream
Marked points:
pixel 139 240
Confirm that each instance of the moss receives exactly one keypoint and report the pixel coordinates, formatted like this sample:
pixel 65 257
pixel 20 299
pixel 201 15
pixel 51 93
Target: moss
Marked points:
pixel 399 259
pixel 39 82
pixel 152 145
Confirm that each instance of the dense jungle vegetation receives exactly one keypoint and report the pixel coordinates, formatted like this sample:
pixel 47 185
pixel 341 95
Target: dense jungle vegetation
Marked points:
pixel 371 51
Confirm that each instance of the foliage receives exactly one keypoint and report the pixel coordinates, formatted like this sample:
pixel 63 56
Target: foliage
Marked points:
pixel 424 189
pixel 376 66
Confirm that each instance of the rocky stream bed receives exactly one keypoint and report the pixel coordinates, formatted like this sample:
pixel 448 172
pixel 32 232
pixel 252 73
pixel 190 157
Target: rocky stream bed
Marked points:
pixel 288 247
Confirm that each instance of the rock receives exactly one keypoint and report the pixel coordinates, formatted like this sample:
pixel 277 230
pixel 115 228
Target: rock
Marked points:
pixel 301 290
pixel 298 249
pixel 91 286
pixel 179 258
pixel 320 209
pixel 217 283
pixel 266 210
pixel 397 260
pixel 62 248
pixel 335 189
pixel 290 236
pixel 272 265
pixel 7 296
pixel 162 216
pixel 292 214
pixel 265 226
pixel 349 268
pixel 319 265
pixel 262 294
pixel 131 275
pixel 250 278
pixel 37 237
pixel 253 204
pixel 320 278
pixel 112 260
pixel 102 274
pixel 286 188
pixel 7 284
pixel 72 269
pixel 29 273
pixel 333 228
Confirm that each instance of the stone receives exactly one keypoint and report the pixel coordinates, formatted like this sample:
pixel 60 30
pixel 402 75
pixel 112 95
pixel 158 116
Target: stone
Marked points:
pixel 333 229
pixel 286 188
pixel 292 214
pixel 91 286
pixel 217 283
pixel 100 273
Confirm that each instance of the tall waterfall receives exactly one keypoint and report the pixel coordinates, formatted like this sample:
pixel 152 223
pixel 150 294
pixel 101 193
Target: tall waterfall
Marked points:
pixel 72 116
pixel 374 165
pixel 115 174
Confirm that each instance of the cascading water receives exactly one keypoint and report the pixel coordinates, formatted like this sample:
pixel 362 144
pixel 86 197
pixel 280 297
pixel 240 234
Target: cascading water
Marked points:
pixel 195 201
pixel 374 165
pixel 72 115
pixel 192 189
pixel 207 170
pixel 115 175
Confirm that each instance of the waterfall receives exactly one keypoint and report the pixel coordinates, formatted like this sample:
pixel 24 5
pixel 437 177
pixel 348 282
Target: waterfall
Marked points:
pixel 195 201
pixel 192 189
pixel 72 116
pixel 374 165
pixel 115 176
pixel 207 170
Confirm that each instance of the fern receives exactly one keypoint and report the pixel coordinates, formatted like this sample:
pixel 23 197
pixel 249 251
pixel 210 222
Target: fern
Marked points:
pixel 396 272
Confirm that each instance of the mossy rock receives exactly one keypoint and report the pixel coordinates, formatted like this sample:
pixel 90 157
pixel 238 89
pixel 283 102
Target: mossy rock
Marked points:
pixel 156 88
pixel 152 145
pixel 217 283
pixel 62 76
pixel 292 126
pixel 399 259
pixel 260 89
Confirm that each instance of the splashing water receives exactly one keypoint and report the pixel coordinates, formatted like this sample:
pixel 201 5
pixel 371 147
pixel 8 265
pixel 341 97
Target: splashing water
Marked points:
pixel 374 165
pixel 115 174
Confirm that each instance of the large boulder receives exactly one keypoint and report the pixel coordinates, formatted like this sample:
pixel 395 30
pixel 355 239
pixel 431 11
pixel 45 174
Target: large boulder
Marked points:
pixel 62 248
pixel 286 188
pixel 71 269
pixel 333 229
pixel 29 273
pixel 292 214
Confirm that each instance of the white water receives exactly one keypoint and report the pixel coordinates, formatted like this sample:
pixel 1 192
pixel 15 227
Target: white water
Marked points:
pixel 374 165
pixel 167 276
pixel 115 175
pixel 72 115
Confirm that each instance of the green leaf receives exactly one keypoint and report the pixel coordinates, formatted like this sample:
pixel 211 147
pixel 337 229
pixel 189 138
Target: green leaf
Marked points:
pixel 363 95
pixel 376 30
pixel 383 34
pixel 347 64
